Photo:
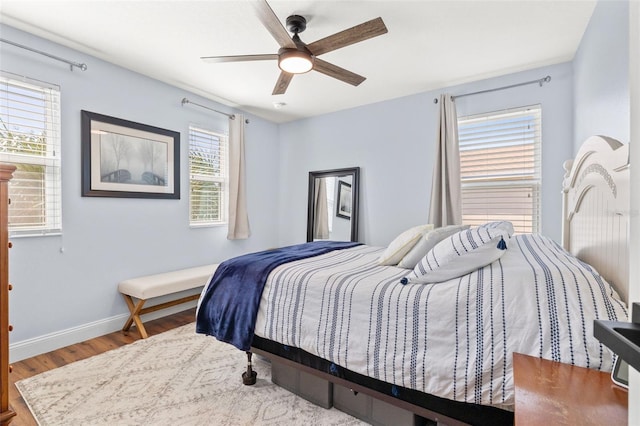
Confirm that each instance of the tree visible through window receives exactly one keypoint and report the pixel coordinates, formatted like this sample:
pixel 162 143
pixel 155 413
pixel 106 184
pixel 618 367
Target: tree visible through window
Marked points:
pixel 500 167
pixel 208 177
pixel 30 140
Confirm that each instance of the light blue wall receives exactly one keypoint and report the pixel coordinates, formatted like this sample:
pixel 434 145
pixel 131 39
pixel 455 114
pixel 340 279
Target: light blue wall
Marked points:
pixel 383 139
pixel 394 144
pixel 601 75
pixel 67 281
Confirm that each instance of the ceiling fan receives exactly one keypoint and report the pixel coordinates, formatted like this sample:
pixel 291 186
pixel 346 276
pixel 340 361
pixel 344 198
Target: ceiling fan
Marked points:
pixel 297 57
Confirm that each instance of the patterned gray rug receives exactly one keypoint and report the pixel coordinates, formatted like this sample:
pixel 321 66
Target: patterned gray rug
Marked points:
pixel 174 378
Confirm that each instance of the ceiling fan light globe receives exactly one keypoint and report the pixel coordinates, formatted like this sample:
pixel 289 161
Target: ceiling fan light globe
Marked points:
pixel 295 62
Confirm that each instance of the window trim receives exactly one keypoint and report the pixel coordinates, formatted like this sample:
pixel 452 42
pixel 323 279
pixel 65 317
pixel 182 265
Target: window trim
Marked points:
pixel 504 182
pixel 223 180
pixel 52 161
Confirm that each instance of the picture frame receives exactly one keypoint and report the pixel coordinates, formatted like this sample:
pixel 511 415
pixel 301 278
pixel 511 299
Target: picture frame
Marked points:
pixel 343 204
pixel 125 159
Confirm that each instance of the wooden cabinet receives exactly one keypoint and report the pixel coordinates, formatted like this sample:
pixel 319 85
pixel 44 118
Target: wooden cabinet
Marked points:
pixel 6 413
pixel 553 393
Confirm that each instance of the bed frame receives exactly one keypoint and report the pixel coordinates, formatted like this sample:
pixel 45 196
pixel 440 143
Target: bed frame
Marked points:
pixel 596 208
pixel 595 219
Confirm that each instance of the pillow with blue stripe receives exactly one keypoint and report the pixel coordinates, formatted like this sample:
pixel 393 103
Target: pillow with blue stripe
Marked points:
pixel 462 253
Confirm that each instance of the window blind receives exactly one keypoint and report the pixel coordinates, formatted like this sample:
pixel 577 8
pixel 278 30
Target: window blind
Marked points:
pixel 30 140
pixel 208 177
pixel 500 166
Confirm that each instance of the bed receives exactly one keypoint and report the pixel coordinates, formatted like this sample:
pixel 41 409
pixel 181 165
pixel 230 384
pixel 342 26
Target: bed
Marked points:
pixel 443 350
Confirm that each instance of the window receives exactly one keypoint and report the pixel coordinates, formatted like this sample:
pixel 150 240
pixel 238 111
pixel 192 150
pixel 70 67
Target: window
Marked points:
pixel 208 177
pixel 30 140
pixel 331 199
pixel 500 167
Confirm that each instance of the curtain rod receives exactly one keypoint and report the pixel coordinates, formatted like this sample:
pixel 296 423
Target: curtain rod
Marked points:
pixel 72 64
pixel 540 81
pixel 231 116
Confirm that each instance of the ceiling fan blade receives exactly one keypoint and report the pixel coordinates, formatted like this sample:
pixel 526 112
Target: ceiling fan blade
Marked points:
pixel 271 22
pixel 239 58
pixel 356 34
pixel 282 83
pixel 336 72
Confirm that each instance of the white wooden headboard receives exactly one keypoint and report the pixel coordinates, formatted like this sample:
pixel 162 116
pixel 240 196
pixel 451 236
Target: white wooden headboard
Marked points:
pixel 595 211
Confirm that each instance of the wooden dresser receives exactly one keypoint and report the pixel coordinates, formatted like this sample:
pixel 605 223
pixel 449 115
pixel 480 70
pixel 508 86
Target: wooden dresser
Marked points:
pixel 6 413
pixel 552 393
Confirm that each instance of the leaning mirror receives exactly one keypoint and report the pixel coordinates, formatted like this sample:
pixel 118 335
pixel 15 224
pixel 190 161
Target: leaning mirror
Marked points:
pixel 332 210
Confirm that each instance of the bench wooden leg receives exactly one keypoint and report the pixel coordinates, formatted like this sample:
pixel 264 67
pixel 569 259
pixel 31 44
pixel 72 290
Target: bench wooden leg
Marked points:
pixel 137 310
pixel 134 316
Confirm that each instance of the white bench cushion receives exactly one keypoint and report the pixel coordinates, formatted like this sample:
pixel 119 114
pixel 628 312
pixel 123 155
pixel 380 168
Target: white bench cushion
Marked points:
pixel 170 282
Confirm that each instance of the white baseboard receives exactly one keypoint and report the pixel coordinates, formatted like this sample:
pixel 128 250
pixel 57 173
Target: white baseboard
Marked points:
pixel 52 341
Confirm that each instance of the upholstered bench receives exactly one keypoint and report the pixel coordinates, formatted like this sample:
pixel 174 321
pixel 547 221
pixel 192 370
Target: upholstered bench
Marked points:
pixel 150 286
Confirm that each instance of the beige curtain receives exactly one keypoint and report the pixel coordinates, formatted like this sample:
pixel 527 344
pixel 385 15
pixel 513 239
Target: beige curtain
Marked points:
pixel 238 216
pixel 321 211
pixel 446 195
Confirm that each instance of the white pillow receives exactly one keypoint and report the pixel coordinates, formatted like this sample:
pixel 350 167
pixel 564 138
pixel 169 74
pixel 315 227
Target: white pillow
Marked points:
pixel 430 239
pixel 402 244
pixel 462 253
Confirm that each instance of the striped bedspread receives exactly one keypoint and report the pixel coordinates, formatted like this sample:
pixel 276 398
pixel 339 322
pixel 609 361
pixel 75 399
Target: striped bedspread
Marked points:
pixel 453 339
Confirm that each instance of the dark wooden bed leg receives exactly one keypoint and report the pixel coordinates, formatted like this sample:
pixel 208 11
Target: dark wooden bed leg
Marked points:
pixel 249 376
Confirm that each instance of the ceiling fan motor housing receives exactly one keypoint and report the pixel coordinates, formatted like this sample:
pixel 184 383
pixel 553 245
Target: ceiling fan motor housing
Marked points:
pixel 301 54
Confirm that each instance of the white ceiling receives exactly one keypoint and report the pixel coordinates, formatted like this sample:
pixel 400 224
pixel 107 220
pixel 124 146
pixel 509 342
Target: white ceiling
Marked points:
pixel 430 44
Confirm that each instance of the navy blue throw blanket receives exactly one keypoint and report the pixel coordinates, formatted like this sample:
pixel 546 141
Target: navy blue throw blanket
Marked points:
pixel 229 307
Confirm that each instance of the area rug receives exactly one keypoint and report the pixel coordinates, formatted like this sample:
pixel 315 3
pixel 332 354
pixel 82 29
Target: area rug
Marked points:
pixel 174 378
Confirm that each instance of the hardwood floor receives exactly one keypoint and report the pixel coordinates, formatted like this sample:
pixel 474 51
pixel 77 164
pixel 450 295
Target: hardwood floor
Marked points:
pixel 41 363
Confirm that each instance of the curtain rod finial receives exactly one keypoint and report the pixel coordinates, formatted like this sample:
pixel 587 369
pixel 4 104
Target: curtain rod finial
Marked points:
pixel 545 80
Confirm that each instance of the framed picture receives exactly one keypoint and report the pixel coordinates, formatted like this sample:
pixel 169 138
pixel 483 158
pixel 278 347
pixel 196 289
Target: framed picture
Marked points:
pixel 343 206
pixel 122 158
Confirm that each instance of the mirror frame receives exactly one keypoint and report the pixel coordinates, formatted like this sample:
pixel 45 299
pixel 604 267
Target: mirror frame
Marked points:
pixel 354 172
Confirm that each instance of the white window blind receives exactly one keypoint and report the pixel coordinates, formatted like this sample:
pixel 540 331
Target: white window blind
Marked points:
pixel 30 140
pixel 208 177
pixel 500 167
